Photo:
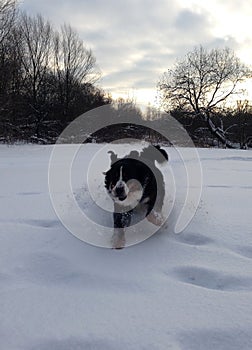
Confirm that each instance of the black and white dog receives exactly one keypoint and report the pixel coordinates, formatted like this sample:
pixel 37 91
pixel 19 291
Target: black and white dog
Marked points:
pixel 132 182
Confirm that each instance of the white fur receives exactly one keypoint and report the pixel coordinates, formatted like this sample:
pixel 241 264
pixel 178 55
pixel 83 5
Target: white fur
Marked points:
pixel 134 192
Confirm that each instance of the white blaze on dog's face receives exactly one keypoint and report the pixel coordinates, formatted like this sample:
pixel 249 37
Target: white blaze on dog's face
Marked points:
pixel 126 192
pixel 119 190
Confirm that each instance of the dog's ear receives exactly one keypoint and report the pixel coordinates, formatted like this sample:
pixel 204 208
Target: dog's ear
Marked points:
pixel 154 152
pixel 113 157
pixel 133 154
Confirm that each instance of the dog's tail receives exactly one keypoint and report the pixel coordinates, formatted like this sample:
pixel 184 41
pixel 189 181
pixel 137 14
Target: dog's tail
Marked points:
pixel 164 156
pixel 155 153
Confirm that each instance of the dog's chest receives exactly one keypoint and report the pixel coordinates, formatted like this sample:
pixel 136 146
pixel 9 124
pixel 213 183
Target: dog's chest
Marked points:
pixel 135 194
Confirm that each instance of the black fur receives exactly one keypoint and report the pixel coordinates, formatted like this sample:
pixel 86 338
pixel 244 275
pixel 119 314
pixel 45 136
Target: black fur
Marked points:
pixel 139 166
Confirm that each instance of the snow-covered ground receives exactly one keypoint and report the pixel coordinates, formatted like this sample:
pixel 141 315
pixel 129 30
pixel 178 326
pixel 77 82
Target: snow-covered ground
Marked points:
pixel 188 291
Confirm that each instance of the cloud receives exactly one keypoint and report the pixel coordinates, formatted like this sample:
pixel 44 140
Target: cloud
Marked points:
pixel 135 41
pixel 189 21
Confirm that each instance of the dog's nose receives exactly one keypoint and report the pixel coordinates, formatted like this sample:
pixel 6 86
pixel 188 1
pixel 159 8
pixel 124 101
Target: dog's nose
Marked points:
pixel 119 190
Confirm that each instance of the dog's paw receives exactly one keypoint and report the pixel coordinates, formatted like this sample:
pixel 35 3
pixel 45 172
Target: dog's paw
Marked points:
pixel 118 239
pixel 118 243
pixel 155 218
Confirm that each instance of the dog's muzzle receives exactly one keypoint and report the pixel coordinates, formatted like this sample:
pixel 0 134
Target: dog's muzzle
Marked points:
pixel 120 193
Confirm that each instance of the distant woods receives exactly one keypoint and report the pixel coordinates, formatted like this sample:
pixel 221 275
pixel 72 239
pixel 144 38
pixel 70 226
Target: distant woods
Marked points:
pixel 47 77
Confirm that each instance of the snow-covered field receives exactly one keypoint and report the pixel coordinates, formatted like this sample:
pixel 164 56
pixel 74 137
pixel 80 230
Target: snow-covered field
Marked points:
pixel 188 291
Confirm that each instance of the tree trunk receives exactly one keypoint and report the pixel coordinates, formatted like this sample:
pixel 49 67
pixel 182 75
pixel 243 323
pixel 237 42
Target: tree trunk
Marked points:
pixel 217 132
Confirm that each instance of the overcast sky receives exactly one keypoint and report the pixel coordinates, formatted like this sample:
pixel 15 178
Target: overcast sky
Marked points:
pixel 135 41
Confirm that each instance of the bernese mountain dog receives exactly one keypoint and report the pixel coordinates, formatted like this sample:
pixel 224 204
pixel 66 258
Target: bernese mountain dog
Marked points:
pixel 132 182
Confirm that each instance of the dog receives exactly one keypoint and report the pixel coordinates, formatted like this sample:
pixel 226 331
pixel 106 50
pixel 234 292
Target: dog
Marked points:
pixel 134 182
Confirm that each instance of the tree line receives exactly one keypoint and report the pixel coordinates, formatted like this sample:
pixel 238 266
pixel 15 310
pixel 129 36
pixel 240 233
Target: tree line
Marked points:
pixel 48 77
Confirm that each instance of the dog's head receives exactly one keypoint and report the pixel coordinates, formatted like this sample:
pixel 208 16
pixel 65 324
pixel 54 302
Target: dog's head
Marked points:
pixel 127 177
pixel 122 185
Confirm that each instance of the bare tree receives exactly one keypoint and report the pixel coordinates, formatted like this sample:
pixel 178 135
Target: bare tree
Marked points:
pixel 202 82
pixel 7 17
pixel 74 63
pixel 47 78
pixel 35 49
pixel 34 42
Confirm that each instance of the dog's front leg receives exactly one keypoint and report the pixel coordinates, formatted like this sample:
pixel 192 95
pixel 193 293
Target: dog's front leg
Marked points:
pixel 118 238
pixel 121 221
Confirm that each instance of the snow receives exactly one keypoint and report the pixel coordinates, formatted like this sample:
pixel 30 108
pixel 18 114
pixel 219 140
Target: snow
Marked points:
pixel 187 291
